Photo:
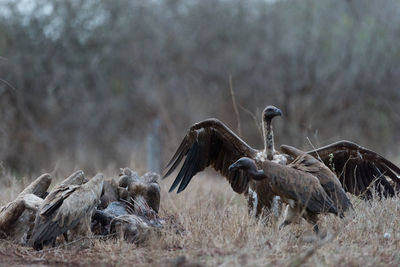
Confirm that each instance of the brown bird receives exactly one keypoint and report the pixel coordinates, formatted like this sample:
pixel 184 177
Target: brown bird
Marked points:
pixel 65 207
pixel 141 191
pixel 212 143
pixel 299 189
pixel 328 180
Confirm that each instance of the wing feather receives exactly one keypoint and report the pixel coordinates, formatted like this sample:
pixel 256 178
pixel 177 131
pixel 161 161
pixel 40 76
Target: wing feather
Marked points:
pixel 210 143
pixel 358 168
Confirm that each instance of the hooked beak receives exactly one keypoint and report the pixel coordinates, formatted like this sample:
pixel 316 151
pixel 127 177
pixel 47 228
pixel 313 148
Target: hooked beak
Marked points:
pixel 232 167
pixel 278 112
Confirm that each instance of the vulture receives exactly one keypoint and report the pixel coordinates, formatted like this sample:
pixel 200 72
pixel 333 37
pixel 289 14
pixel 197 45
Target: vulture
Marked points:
pixel 212 143
pixel 69 203
pixel 138 198
pixel 295 185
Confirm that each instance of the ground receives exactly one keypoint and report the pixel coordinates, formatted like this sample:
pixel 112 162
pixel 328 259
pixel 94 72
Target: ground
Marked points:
pixel 219 232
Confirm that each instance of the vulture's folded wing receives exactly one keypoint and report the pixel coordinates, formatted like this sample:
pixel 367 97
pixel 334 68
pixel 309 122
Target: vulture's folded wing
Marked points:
pixel 54 200
pixel 210 143
pixel 65 209
pixel 328 180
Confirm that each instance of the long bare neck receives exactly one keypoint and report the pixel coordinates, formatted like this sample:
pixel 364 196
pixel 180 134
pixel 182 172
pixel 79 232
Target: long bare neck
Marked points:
pixel 270 170
pixel 269 147
pixel 256 174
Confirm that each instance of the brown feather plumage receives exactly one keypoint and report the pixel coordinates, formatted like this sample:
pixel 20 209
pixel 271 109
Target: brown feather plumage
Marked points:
pixel 210 143
pixel 359 169
pixel 328 180
pixel 65 206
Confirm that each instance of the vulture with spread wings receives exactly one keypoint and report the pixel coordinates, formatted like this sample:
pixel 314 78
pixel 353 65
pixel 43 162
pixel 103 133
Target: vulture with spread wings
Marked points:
pixel 65 207
pixel 212 143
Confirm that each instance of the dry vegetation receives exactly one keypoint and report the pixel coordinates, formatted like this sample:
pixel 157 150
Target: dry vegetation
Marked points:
pixel 218 231
pixel 81 83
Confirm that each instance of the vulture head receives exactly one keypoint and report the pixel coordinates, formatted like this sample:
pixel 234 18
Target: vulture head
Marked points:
pixel 249 166
pixel 143 191
pixel 270 112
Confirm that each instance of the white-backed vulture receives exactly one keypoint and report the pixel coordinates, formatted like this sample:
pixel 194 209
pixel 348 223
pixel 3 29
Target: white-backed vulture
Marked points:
pixel 67 204
pixel 212 143
pixel 300 189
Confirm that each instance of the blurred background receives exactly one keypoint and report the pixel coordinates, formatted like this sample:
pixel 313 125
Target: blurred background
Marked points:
pixel 92 84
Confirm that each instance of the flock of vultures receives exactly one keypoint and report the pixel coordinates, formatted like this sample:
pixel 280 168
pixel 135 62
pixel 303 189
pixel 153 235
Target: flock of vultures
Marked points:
pixel 307 183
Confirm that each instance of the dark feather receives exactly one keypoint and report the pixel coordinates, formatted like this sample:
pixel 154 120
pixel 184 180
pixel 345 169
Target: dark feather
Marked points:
pixel 359 169
pixel 210 143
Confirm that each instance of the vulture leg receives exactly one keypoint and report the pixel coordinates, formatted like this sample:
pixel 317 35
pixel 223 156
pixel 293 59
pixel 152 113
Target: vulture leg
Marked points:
pixel 285 223
pixel 312 218
pixel 315 228
pixel 277 207
pixel 291 215
pixel 65 237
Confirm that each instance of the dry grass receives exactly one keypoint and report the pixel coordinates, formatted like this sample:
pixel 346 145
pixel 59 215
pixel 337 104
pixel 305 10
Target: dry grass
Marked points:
pixel 218 231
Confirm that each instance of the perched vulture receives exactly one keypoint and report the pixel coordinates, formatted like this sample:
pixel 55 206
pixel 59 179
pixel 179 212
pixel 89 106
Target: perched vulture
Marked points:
pixel 69 203
pixel 212 143
pixel 296 187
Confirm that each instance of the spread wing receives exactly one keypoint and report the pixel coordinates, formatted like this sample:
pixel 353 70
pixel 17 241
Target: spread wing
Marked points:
pixel 359 169
pixel 65 210
pixel 210 143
